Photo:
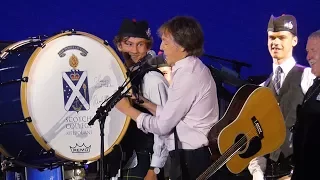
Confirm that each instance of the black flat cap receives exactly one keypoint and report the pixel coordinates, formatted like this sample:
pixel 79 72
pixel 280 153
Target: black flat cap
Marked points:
pixel 133 28
pixel 283 23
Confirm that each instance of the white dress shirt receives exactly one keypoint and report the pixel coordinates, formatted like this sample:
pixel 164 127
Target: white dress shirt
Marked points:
pixel 192 106
pixel 258 165
pixel 286 66
pixel 155 88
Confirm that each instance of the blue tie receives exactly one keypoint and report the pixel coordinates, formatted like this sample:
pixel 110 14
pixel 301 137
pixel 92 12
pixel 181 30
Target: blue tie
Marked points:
pixel 277 79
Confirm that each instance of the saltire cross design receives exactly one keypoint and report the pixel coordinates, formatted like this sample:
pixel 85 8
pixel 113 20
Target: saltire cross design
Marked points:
pixel 75 90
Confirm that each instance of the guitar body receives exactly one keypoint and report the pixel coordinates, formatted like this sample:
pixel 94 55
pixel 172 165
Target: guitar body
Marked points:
pixel 230 115
pixel 258 128
pixel 252 126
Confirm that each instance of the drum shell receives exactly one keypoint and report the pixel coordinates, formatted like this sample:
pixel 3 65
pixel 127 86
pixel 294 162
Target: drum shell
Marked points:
pixel 17 139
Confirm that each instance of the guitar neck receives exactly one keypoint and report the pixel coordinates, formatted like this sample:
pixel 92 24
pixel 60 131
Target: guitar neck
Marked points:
pixel 224 158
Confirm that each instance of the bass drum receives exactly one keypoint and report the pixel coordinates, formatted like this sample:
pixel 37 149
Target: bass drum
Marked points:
pixel 50 89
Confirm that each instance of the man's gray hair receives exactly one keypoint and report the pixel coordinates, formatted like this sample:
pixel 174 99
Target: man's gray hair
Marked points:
pixel 315 34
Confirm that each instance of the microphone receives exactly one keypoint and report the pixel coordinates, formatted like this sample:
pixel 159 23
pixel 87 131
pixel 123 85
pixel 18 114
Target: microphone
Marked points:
pixel 146 59
pixel 155 59
pixel 151 53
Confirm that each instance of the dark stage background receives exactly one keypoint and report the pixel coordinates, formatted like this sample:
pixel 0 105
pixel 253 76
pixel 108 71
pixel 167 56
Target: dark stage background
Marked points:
pixel 233 29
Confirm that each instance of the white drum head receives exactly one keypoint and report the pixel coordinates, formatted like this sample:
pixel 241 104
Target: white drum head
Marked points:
pixel 68 80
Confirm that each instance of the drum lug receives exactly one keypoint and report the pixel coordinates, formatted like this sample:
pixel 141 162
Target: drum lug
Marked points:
pixel 25 79
pixel 28 119
pixel 71 30
pixel 51 151
pixel 42 45
pixel 106 42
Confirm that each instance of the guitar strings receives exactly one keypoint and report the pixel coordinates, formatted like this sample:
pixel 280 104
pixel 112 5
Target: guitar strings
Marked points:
pixel 223 159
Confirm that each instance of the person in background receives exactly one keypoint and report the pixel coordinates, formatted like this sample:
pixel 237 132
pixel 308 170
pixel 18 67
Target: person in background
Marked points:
pixel 160 63
pixel 305 142
pixel 192 106
pixel 289 81
pixel 134 40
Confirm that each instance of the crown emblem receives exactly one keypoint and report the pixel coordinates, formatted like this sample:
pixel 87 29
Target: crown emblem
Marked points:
pixel 74 62
pixel 74 76
pixel 80 149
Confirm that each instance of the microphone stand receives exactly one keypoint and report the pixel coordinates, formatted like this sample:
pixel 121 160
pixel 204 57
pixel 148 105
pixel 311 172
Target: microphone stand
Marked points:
pixel 103 111
pixel 235 64
pixel 224 95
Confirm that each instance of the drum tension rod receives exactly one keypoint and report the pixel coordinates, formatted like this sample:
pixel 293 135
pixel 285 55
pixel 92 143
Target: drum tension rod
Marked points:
pixel 24 79
pixel 44 152
pixel 28 119
pixel 40 37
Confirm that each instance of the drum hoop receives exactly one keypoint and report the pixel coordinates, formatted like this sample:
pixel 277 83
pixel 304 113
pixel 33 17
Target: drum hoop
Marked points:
pixel 24 86
pixel 4 52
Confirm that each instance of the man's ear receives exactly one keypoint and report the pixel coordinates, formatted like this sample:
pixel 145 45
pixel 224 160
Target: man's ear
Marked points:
pixel 181 49
pixel 119 47
pixel 294 41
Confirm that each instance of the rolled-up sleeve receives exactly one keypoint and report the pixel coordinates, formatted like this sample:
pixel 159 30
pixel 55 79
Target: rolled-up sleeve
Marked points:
pixel 160 152
pixel 140 120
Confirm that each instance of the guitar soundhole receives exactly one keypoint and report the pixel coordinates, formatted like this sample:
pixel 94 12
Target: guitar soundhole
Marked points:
pixel 254 147
pixel 241 139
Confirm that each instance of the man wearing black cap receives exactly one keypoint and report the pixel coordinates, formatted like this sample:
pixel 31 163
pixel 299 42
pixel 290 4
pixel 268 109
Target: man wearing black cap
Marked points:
pixel 289 81
pixel 134 40
pixel 192 107
pixel 305 143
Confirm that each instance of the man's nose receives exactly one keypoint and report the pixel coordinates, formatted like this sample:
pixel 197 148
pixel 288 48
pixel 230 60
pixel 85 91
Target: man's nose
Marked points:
pixel 309 56
pixel 161 46
pixel 134 49
pixel 276 41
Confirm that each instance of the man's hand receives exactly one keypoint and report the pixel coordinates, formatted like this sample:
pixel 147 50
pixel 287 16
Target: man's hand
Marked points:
pixel 145 103
pixel 139 100
pixel 151 175
pixel 257 166
pixel 258 175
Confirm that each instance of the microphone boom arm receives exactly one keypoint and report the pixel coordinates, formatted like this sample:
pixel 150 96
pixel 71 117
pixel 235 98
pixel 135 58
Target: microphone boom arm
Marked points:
pixel 235 64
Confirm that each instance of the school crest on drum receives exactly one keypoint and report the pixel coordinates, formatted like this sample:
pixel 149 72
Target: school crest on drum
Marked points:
pixel 75 87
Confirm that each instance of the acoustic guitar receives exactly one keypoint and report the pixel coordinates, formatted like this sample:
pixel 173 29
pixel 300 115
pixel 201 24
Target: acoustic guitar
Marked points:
pixel 252 126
